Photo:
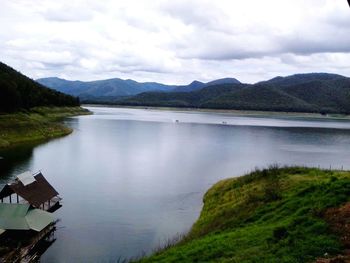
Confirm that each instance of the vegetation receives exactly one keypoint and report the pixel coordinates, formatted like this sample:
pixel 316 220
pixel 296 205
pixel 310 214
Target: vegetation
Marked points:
pixel 314 92
pixel 112 89
pixel 38 124
pixel 20 92
pixel 29 111
pixel 321 93
pixel 270 215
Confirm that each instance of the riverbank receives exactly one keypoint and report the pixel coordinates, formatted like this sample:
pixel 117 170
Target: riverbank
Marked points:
pixel 246 113
pixel 273 215
pixel 38 124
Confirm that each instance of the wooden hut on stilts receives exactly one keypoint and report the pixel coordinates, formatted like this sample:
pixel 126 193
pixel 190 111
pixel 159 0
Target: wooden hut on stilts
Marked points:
pixel 31 189
pixel 24 215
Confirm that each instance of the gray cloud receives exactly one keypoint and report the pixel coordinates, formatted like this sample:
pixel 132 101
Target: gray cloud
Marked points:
pixel 328 32
pixel 198 13
pixel 175 41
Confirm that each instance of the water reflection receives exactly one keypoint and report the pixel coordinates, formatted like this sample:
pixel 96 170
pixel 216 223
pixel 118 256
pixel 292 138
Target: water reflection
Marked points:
pixel 14 160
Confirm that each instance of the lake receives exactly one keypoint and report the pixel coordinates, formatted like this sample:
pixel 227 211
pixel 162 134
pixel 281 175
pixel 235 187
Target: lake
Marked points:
pixel 133 178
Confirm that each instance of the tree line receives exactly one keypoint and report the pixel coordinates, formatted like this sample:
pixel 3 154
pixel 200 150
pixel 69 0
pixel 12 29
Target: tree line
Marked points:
pixel 19 92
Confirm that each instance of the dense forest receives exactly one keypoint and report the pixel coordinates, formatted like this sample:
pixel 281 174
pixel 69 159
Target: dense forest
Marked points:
pixel 19 92
pixel 316 92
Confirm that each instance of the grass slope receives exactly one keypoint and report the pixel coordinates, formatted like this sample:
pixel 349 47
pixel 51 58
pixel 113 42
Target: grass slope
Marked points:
pixel 271 215
pixel 38 124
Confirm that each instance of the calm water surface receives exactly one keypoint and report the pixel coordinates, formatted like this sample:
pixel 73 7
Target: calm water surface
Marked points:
pixel 132 178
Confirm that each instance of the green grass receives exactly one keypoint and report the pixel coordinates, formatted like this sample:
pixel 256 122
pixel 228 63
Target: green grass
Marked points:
pixel 38 124
pixel 271 215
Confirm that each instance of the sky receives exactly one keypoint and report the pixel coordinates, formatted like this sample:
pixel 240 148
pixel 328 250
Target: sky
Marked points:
pixel 175 42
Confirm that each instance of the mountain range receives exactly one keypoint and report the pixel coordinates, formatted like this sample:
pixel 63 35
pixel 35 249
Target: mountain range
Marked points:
pixel 314 92
pixel 112 89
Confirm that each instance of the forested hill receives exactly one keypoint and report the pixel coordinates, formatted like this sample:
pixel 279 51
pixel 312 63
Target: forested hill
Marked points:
pixel 20 92
pixel 315 92
pixel 111 89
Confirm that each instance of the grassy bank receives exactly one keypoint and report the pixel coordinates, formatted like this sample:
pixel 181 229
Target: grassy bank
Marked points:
pixel 38 124
pixel 272 215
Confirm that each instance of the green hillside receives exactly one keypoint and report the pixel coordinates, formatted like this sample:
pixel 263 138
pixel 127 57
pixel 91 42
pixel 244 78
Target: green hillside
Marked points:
pixel 271 215
pixel 260 97
pixel 37 125
pixel 30 112
pixel 317 92
pixel 181 99
pixel 20 92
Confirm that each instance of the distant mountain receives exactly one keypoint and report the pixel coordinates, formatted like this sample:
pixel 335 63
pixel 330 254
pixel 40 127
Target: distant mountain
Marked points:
pixel 194 85
pixel 179 99
pixel 111 89
pixel 223 81
pixel 315 92
pixel 20 92
pixel 301 78
pixel 197 85
pixel 102 88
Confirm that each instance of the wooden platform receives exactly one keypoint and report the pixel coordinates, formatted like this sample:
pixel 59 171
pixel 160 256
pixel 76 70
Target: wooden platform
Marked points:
pixel 34 247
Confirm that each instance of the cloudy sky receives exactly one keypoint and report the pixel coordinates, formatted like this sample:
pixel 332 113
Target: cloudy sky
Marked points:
pixel 175 42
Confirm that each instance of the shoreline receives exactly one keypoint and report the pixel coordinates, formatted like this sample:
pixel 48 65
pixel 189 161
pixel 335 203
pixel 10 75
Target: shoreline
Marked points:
pixel 37 125
pixel 247 213
pixel 248 113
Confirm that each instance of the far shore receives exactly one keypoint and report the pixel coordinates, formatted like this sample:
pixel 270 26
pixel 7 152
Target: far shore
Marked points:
pixel 250 113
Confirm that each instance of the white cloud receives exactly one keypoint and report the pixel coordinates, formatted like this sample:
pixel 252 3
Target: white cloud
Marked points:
pixel 175 41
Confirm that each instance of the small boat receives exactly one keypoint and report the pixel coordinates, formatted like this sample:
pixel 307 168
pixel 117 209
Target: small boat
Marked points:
pixel 224 122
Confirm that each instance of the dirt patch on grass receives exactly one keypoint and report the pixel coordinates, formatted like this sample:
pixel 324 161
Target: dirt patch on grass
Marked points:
pixel 339 221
